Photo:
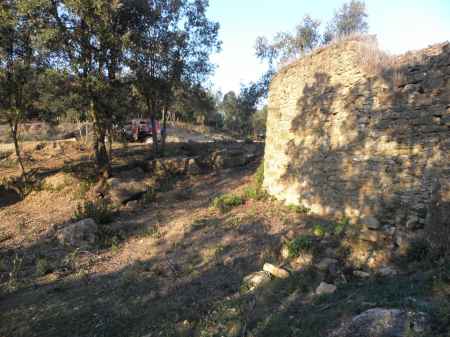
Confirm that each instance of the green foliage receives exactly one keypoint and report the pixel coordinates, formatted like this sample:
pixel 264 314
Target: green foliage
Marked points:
pixel 43 267
pixel 226 202
pixel 319 230
pixel 300 244
pixel 299 209
pixel 341 226
pixel 99 211
pixel 149 196
pixel 349 19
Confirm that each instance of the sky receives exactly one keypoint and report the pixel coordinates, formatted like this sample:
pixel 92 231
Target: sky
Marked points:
pixel 400 25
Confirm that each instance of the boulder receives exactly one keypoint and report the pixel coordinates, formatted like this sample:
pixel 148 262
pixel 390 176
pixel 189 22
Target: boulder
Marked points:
pixel 59 181
pixel 387 271
pixel 379 322
pixel 276 271
pixel 361 274
pixel 325 288
pixel 78 234
pixel 256 280
pixel 372 236
pixel 122 190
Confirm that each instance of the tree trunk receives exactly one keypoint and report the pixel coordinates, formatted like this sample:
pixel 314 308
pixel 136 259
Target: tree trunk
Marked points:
pixel 163 131
pixel 13 128
pixel 102 162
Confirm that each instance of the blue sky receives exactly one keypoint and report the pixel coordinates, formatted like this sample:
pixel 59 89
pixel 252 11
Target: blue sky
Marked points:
pixel 400 25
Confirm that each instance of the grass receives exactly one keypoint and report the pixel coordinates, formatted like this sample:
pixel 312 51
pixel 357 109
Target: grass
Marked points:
pixel 300 244
pixel 99 211
pixel 227 202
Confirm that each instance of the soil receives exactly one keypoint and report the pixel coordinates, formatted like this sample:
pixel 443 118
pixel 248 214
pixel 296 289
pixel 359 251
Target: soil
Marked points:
pixel 169 267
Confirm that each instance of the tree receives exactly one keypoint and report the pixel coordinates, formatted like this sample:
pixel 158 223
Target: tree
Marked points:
pixel 21 60
pixel 170 46
pixel 350 18
pixel 287 46
pixel 91 38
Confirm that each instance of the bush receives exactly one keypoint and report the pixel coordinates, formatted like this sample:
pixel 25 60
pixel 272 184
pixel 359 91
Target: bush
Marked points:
pixel 99 211
pixel 226 202
pixel 300 244
pixel 254 193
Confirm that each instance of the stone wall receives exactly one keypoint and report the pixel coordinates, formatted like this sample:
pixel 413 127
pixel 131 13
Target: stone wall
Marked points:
pixel 352 132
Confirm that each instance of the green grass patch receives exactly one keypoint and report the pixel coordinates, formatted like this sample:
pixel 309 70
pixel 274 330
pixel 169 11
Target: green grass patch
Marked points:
pixel 227 202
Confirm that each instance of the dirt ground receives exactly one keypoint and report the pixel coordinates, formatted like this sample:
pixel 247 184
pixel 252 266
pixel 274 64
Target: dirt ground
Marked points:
pixel 173 267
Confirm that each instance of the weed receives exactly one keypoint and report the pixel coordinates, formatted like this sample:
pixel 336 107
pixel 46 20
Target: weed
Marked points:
pixel 20 226
pixel 226 202
pixel 42 266
pixel 83 189
pixel 341 226
pixel 154 232
pixel 299 209
pixel 255 193
pixel 259 176
pixel 300 244
pixel 319 231
pixel 109 238
pixel 149 196
pixel 17 262
pixel 99 211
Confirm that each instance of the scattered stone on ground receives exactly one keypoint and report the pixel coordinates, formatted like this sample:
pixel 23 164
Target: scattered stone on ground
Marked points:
pixel 371 222
pixel 326 264
pixel 256 280
pixel 78 234
pixel 361 274
pixel 325 288
pixel 379 322
pixel 276 271
pixel 387 271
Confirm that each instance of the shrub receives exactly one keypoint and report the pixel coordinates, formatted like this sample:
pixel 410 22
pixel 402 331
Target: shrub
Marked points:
pixel 42 266
pixel 300 244
pixel 254 193
pixel 226 202
pixel 100 211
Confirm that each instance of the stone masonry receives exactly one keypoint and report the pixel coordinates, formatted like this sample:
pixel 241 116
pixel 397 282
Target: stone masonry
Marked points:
pixel 353 132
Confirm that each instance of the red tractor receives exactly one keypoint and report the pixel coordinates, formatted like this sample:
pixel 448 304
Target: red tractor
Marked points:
pixel 140 129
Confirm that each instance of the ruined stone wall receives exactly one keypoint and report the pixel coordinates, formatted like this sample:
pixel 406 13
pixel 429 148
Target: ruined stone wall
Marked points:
pixel 351 132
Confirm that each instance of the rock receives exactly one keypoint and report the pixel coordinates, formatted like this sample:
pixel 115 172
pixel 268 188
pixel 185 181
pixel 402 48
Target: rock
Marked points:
pixel 184 329
pixel 123 190
pixel 276 271
pixel 193 168
pixel 380 322
pixel 326 264
pixel 133 204
pixel 256 280
pixel 361 274
pixel 372 236
pixel 78 234
pixel 325 288
pixel 371 222
pixel 387 271
pixel 285 252
pixel 413 222
pixel 233 328
pixel 175 165
pixel 59 181
pixel 301 262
